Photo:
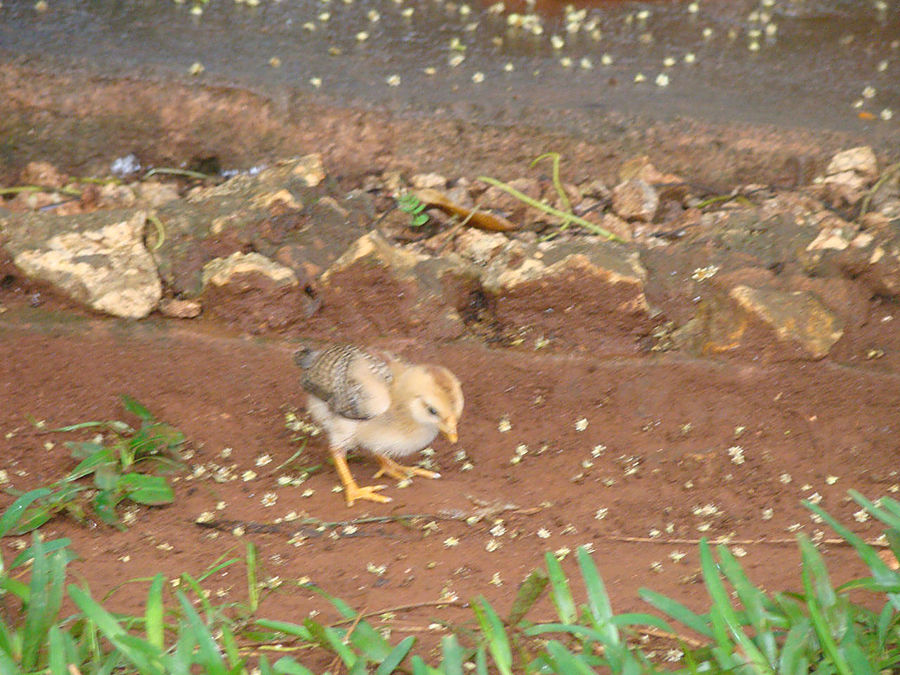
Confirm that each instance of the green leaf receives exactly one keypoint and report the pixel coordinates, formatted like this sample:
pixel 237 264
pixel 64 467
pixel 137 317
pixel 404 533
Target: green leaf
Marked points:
pixel 104 504
pixel 562 595
pixel 494 634
pixel 815 591
pixel 754 602
pixel 56 653
pixel 49 547
pixel 292 629
pixel 598 600
pixel 696 622
pixel 398 653
pixel 252 581
pixel 145 489
pixel 452 656
pixel 135 408
pixel 153 613
pixel 14 513
pixel 287 666
pixel 528 594
pixel 880 571
pixel 724 616
pixel 565 661
pixel 210 658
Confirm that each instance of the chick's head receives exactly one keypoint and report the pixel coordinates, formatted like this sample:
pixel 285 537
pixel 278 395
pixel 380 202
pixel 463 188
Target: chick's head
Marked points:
pixel 434 397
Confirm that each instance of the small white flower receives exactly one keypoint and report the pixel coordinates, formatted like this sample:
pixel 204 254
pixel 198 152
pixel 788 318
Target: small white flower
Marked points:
pixel 205 517
pixel 606 60
pixel 677 556
pixel 504 424
pixel 478 77
pixel 248 475
pixel 451 542
pixel 601 513
pixel 785 478
pixel 393 80
pixel 581 424
pixel 543 533
pixel 492 545
pixel 377 570
pixel 886 114
pixel 768 513
pixel 362 36
pixel 315 82
pixel 557 42
pixel 262 460
pixel 496 580
pixel 869 92
pixel 861 516
pixel 269 499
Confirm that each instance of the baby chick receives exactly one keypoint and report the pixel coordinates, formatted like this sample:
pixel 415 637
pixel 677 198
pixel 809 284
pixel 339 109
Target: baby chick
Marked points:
pixel 377 401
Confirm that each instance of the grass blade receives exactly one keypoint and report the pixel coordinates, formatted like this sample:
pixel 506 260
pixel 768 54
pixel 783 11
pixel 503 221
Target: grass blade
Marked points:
pixel 696 622
pixel 727 615
pixel 252 577
pixel 598 600
pixel 495 634
pixel 528 594
pixel 210 657
pixel 14 513
pixel 153 613
pixel 818 589
pixel 452 656
pixel 880 571
pixel 565 661
pixel 562 595
pixel 396 656
pixel 286 666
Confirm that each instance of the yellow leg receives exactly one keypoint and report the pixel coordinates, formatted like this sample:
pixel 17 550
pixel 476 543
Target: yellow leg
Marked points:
pixel 352 491
pixel 399 472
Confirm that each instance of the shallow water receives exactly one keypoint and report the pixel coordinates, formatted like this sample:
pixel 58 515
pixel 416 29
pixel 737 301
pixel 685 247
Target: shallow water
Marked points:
pixel 812 70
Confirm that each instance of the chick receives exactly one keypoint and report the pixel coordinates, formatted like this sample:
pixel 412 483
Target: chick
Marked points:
pixel 378 402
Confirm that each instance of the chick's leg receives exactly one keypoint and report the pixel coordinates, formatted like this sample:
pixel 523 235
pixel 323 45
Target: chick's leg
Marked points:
pixel 400 472
pixel 352 491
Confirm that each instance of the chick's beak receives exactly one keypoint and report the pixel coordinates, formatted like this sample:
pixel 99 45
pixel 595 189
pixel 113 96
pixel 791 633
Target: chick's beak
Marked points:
pixel 448 428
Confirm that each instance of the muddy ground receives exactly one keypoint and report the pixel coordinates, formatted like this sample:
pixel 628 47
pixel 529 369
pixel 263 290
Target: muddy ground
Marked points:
pixel 629 451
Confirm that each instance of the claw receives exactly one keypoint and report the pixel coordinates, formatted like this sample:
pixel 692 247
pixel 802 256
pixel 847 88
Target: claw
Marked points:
pixel 400 472
pixel 367 492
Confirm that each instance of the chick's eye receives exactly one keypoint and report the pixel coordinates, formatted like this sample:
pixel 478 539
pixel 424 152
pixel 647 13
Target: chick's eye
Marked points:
pixel 431 410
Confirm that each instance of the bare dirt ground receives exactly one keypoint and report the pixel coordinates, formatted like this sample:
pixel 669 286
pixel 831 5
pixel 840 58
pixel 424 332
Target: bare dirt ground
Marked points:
pixel 630 452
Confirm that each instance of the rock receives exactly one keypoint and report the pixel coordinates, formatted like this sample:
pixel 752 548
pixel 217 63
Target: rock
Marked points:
pixel 849 174
pixel 397 290
pixel 156 194
pixel 43 174
pixel 180 309
pixel 255 293
pixel 114 196
pixel 797 317
pixel 283 211
pixel 635 199
pixel 97 258
pixel 222 271
pixel 479 247
pixel 428 181
pixel 580 293
pixel 860 160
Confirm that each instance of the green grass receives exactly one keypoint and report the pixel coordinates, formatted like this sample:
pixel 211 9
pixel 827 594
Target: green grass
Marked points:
pixel 106 473
pixel 815 629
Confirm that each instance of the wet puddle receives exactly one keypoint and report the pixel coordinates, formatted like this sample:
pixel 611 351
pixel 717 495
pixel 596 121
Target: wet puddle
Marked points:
pixel 829 64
